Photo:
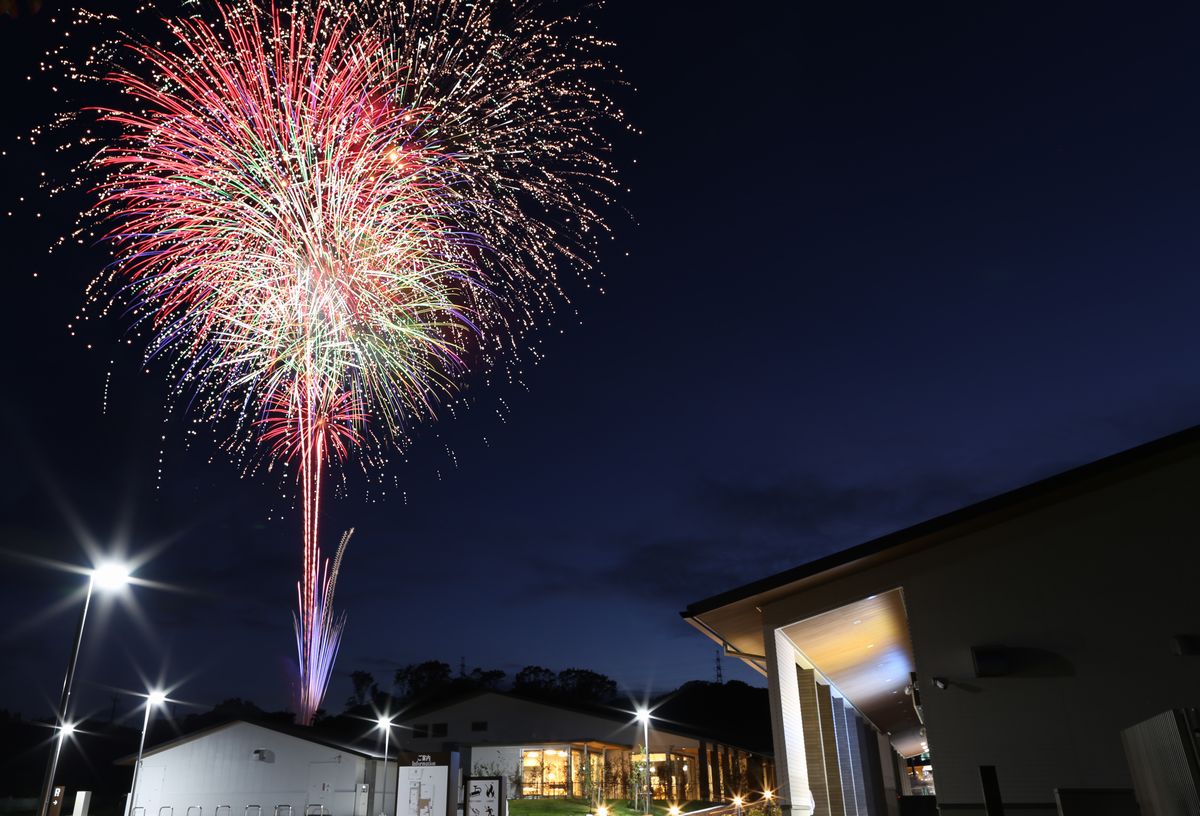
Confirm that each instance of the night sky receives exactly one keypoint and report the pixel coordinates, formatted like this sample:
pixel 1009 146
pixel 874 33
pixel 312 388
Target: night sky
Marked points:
pixel 882 262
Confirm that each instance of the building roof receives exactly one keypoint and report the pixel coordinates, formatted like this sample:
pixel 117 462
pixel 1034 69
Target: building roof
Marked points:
pixel 1056 488
pixel 607 712
pixel 735 618
pixel 298 732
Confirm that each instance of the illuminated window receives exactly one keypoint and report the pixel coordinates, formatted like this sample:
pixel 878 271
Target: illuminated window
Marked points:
pixel 544 772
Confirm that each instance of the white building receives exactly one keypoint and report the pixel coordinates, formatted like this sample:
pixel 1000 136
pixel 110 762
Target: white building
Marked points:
pixel 543 747
pixel 1037 625
pixel 243 769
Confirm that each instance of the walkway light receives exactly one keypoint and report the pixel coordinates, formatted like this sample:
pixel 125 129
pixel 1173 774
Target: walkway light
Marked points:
pixel 109 575
pixel 386 724
pixel 643 715
pixel 154 699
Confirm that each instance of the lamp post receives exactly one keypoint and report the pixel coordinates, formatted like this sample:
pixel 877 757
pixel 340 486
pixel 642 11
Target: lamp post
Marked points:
pixel 386 724
pixel 106 576
pixel 153 699
pixel 643 714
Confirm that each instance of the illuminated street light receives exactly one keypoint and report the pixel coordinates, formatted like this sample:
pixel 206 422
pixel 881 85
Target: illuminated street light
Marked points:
pixel 673 810
pixel 602 810
pixel 108 576
pixel 111 575
pixel 643 715
pixel 737 805
pixel 386 724
pixel 154 699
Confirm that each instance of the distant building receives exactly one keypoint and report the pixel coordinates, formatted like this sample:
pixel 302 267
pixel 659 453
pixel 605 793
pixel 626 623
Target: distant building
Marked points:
pixel 1037 625
pixel 543 748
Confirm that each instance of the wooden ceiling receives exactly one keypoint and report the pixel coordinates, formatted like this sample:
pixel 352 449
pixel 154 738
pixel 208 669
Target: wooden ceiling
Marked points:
pixel 864 650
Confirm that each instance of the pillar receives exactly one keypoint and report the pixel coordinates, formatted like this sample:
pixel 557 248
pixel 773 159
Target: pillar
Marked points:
pixel 829 742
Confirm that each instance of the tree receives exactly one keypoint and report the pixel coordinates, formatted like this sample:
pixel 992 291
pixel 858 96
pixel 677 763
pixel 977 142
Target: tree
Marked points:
pixel 486 678
pixel 536 680
pixel 419 679
pixel 586 686
pixel 365 688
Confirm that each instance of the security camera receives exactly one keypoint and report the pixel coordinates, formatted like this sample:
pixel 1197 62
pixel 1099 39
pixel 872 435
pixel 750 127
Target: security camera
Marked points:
pixel 941 683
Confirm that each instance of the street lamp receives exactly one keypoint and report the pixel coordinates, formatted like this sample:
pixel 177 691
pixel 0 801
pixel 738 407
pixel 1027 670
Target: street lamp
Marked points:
pixel 109 576
pixel 643 714
pixel 386 724
pixel 153 699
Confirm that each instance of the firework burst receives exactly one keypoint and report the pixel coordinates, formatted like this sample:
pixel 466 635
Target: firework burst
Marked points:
pixel 326 215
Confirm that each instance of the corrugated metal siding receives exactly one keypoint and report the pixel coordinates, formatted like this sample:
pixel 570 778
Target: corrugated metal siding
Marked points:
pixel 1162 758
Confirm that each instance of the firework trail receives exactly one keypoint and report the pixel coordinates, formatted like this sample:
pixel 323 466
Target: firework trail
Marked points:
pixel 325 215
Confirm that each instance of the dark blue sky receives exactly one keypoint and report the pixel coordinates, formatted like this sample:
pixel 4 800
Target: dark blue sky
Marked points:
pixel 882 262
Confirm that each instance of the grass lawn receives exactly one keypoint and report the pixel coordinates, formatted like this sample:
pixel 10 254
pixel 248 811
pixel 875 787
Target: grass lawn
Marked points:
pixel 580 807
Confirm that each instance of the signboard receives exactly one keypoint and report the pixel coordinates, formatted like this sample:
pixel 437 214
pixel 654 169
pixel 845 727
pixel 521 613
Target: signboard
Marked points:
pixel 486 796
pixel 427 784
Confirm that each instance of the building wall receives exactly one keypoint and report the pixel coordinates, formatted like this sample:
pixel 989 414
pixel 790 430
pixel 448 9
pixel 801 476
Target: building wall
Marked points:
pixel 512 721
pixel 1091 589
pixel 199 776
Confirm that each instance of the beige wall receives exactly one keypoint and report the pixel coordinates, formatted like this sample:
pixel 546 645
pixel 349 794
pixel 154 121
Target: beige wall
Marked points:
pixel 1100 581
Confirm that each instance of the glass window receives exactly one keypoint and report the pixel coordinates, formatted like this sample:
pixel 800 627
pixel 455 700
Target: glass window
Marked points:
pixel 554 774
pixel 479 725
pixel 439 730
pixel 531 772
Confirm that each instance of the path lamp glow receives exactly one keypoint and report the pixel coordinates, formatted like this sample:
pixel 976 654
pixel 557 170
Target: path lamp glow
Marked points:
pixel 386 724
pixel 643 714
pixel 153 700
pixel 109 576
pixel 737 805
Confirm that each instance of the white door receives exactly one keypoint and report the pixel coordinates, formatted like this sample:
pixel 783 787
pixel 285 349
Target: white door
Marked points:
pixel 320 789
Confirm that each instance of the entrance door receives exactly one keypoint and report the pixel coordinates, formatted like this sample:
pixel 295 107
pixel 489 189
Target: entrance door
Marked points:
pixel 320 788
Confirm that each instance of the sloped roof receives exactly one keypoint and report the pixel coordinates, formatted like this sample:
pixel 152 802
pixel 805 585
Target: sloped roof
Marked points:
pixel 297 732
pixel 1051 490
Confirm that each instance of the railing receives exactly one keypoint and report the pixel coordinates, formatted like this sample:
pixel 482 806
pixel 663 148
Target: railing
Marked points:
pixel 321 810
pixel 279 810
pixel 257 810
pixel 228 810
pixel 199 810
pixel 167 808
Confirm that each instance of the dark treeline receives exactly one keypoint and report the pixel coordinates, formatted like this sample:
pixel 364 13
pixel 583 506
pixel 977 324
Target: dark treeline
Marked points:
pixel 433 680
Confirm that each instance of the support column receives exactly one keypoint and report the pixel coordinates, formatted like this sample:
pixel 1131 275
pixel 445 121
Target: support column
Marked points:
pixel 702 770
pixel 847 768
pixel 887 767
pixel 727 772
pixel 853 733
pixel 829 744
pixel 872 768
pixel 714 768
pixel 814 748
pixel 787 728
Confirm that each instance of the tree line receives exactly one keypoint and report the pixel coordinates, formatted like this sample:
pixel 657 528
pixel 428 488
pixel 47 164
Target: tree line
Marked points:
pixel 433 679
